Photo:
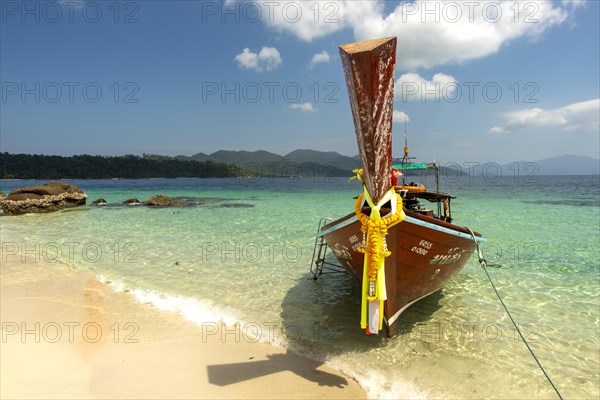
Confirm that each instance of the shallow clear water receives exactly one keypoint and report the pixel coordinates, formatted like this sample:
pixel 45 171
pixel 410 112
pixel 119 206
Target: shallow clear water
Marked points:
pixel 241 254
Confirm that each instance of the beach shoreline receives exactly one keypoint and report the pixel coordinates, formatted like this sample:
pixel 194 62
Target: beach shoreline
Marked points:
pixel 66 334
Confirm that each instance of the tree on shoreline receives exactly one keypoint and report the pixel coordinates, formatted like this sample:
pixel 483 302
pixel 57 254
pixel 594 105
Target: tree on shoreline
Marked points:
pixel 28 166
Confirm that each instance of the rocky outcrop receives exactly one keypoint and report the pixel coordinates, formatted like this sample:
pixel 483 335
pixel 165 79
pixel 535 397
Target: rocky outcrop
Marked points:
pixel 132 202
pixel 99 202
pixel 52 196
pixel 158 200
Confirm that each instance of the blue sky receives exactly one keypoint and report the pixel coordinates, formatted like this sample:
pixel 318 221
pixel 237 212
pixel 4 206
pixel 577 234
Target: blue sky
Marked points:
pixel 477 80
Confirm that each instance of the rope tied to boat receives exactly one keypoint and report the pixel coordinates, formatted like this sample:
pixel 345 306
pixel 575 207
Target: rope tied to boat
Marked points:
pixel 483 263
pixel 375 249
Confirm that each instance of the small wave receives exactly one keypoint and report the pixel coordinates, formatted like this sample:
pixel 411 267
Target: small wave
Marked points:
pixel 203 312
pixel 192 309
pixel 378 385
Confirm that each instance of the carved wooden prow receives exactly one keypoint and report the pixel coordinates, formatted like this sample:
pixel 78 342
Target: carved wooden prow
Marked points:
pixel 369 72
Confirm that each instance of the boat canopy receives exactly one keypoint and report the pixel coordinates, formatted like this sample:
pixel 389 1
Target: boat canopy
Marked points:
pixel 414 166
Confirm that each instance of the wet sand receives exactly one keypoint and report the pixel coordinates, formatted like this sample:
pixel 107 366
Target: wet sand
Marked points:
pixel 67 335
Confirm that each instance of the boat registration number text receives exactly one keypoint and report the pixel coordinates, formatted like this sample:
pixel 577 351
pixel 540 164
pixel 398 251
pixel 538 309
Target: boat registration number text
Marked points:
pixel 423 247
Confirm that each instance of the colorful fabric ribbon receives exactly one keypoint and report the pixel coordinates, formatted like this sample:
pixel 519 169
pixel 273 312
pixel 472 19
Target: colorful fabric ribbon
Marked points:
pixel 375 249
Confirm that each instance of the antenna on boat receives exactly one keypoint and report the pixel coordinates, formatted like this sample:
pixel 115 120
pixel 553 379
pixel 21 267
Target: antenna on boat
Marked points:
pixel 406 159
pixel 405 136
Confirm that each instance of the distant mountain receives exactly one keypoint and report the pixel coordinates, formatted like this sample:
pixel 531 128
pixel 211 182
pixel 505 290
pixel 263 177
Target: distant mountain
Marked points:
pixel 330 158
pixel 245 157
pixel 201 157
pixel 569 165
pixel 298 162
pixel 560 165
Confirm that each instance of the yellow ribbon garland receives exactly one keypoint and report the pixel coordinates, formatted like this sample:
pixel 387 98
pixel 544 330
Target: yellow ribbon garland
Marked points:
pixel 375 249
pixel 358 175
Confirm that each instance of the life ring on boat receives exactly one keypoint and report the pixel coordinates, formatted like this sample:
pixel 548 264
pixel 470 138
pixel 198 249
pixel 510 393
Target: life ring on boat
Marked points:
pixel 411 188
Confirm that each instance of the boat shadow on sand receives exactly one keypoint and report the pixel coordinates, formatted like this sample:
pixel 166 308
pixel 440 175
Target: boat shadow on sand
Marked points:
pixel 322 317
pixel 228 374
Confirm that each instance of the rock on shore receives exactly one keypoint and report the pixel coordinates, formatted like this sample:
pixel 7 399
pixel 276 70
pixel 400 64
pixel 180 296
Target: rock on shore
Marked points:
pixel 52 196
pixel 132 202
pixel 158 200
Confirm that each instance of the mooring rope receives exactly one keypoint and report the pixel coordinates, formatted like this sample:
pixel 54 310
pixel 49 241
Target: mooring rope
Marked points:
pixel 484 265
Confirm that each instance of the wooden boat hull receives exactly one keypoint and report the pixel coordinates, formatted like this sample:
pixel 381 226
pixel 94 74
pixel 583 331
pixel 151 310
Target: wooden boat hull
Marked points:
pixel 426 254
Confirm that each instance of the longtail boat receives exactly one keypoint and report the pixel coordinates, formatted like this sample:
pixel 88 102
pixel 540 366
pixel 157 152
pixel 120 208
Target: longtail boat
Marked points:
pixel 400 242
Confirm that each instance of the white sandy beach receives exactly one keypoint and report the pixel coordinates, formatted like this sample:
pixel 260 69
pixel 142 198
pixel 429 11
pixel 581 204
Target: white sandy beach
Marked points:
pixel 67 335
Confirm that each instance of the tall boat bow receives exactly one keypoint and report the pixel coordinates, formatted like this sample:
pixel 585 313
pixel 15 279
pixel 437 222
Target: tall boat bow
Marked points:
pixel 369 71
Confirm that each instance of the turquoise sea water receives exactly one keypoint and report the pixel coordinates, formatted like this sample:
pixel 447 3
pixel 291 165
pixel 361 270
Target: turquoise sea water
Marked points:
pixel 241 254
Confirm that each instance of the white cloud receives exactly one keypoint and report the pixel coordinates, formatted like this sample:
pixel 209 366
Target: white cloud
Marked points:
pixel 267 59
pixel 536 117
pixel 305 107
pixel 583 116
pixel 322 57
pixel 577 117
pixel 497 130
pixel 413 87
pixel 399 117
pixel 447 32
pixel 307 20
pixel 430 33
